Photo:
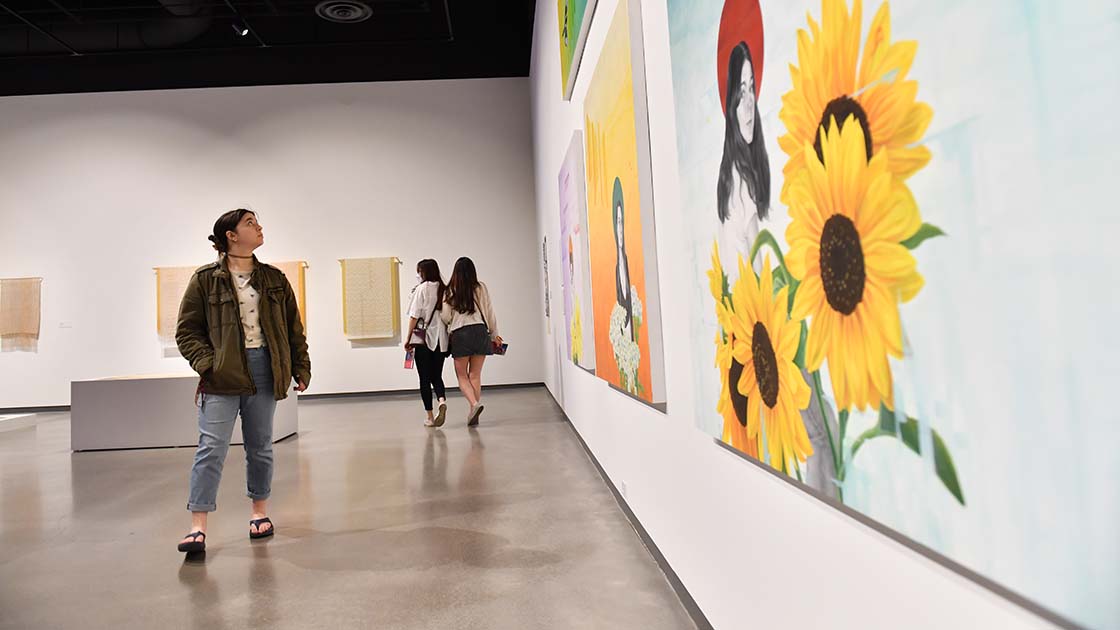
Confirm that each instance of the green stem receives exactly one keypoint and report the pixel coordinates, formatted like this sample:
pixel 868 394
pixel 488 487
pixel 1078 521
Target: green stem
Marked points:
pixel 867 435
pixel 766 238
pixel 836 453
pixel 870 434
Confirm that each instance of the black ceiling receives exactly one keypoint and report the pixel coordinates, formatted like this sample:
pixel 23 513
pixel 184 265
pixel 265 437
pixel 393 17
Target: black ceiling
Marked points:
pixel 62 46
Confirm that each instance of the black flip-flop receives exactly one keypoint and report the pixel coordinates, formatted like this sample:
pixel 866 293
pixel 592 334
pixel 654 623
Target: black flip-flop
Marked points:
pixel 195 545
pixel 259 534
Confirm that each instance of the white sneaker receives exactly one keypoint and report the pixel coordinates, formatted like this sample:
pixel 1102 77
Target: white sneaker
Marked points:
pixel 476 412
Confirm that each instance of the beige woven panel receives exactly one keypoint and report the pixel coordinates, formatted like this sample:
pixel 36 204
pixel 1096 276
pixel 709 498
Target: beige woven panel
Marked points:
pixel 171 284
pixel 20 314
pixel 370 298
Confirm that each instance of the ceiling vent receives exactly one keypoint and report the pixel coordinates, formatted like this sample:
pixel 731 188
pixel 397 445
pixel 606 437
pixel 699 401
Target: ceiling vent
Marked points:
pixel 344 11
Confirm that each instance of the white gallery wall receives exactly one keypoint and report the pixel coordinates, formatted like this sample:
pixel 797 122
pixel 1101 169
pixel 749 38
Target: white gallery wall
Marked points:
pixel 754 551
pixel 97 189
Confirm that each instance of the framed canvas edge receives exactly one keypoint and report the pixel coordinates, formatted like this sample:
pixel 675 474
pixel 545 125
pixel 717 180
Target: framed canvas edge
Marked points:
pixel 577 52
pixel 576 149
pixel 646 188
pixel 659 406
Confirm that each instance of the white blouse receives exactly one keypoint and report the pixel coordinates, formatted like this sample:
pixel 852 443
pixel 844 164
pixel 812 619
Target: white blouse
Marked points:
pixel 483 314
pixel 422 307
pixel 249 302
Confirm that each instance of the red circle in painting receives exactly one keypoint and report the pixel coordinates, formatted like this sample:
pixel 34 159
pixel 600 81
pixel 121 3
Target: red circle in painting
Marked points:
pixel 741 22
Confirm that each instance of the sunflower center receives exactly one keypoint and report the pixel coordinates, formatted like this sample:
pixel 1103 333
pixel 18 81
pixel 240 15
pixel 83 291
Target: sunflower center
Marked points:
pixel 842 271
pixel 738 401
pixel 765 365
pixel 840 109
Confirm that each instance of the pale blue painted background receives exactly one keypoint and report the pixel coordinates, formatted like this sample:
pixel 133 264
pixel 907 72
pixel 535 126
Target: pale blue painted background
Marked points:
pixel 1014 336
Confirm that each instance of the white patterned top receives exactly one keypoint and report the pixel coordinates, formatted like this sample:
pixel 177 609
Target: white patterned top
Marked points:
pixel 249 300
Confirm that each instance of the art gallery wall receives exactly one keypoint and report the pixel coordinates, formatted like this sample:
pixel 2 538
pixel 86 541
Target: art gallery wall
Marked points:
pixel 97 189
pixel 752 549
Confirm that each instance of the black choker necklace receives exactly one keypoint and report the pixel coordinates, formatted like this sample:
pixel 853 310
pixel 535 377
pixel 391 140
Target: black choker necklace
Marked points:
pixel 236 256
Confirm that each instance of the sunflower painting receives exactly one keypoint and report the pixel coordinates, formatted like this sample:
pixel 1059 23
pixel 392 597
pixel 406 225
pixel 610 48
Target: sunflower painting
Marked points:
pixel 766 343
pixel 849 223
pixel 732 405
pixel 806 316
pixel 833 82
pixel 840 338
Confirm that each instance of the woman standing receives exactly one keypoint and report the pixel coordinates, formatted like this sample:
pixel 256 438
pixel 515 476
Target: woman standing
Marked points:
pixel 427 337
pixel 743 191
pixel 469 316
pixel 240 329
pixel 622 285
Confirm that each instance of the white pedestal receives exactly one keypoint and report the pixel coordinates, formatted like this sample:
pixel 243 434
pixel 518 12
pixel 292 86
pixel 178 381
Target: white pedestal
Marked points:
pixel 154 411
pixel 16 421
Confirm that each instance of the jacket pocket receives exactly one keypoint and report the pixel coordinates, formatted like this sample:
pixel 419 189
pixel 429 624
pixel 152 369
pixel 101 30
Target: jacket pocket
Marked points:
pixel 277 312
pixel 218 379
pixel 221 310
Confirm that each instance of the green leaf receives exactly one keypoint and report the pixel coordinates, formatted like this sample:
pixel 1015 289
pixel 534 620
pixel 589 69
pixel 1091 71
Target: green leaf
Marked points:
pixel 927 231
pixel 779 279
pixel 802 345
pixel 766 238
pixel 908 433
pixel 843 424
pixel 794 283
pixel 946 471
pixel 887 420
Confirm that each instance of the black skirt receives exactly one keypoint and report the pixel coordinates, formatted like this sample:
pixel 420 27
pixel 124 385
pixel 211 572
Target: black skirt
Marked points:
pixel 471 341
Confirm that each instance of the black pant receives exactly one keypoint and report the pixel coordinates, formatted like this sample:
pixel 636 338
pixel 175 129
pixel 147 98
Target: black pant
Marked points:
pixel 429 365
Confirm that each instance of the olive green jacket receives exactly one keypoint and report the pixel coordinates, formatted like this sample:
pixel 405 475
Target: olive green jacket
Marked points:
pixel 211 338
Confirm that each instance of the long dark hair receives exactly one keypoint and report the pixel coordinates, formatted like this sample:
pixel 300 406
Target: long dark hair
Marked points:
pixel 228 222
pixel 429 272
pixel 464 283
pixel 748 159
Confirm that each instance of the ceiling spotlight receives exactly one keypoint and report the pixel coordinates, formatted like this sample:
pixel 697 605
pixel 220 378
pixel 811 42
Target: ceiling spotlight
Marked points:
pixel 240 28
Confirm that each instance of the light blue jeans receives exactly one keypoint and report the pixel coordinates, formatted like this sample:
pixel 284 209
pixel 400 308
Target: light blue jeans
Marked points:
pixel 216 416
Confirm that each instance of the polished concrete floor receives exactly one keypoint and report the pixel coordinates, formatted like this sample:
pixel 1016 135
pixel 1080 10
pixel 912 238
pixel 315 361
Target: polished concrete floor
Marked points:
pixel 381 523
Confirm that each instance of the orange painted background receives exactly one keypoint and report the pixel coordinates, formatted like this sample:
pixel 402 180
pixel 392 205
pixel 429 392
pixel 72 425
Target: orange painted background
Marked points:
pixel 612 151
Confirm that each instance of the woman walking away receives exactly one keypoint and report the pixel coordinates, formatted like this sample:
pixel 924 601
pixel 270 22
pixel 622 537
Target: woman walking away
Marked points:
pixel 427 337
pixel 240 329
pixel 469 316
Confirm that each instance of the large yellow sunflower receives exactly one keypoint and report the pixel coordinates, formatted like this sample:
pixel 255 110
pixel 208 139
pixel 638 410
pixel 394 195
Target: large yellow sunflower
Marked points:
pixel 732 406
pixel 765 344
pixel 848 220
pixel 828 85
